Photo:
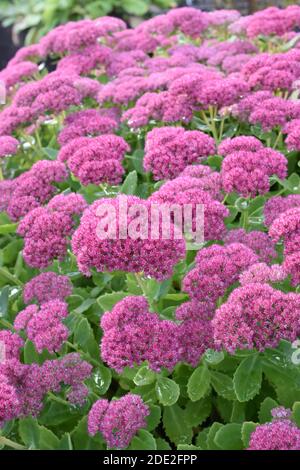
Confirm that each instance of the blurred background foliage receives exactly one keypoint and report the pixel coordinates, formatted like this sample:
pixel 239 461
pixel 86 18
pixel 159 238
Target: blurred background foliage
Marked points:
pixel 31 19
pixel 34 18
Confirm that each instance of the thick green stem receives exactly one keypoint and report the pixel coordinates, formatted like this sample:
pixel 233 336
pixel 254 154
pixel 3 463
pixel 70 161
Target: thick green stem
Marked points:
pixel 1 173
pixel 103 187
pixel 211 125
pixel 245 219
pixel 212 114
pixel 277 140
pixel 10 277
pixel 58 399
pixel 8 443
pixel 221 130
pixel 6 324
pixel 38 140
pixel 225 198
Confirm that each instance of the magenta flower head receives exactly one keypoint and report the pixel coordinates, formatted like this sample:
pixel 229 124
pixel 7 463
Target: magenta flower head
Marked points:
pixel 14 74
pixel 77 395
pixel 217 267
pixel 184 191
pixel 202 177
pixel 170 149
pixel 6 189
pixel 248 104
pixel 44 327
pixel 221 17
pixel 195 337
pixel 189 21
pixel 258 241
pixel 163 106
pixel 222 92
pixel 89 122
pixel 12 345
pixel 83 62
pixel 35 187
pixel 273 21
pixel 287 227
pixel 238 144
pixel 24 386
pixel 119 420
pixel 248 172
pixel 26 53
pixel 291 265
pixel 115 235
pixel 262 273
pixel 256 316
pixel 8 145
pixel 97 160
pixel 46 229
pixel 47 286
pixel 10 405
pixel 293 134
pixel 195 310
pixel 277 205
pixel 273 112
pixel 147 337
pixel 280 434
pixel 272 71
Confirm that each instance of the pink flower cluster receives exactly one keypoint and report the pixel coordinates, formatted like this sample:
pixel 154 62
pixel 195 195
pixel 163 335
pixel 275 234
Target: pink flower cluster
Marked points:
pixel 115 249
pixel 119 420
pixel 46 230
pixel 195 330
pixel 84 61
pixel 8 145
pixel 280 434
pixel 147 338
pixel 89 122
pixel 287 227
pixel 263 108
pixel 277 205
pixel 162 343
pixel 168 150
pixel 196 192
pixel 248 165
pixel 76 36
pixel 23 387
pixel 217 268
pixel 12 344
pixel 15 73
pixel 215 53
pixel 47 286
pixel 202 177
pixel 95 160
pixel 293 134
pixel 258 241
pixel 44 325
pixel 256 316
pixel 273 21
pixel 32 188
pixel 53 93
pixel 271 72
pixel 261 273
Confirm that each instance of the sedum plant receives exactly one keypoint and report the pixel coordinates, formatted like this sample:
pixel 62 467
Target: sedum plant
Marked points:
pixel 115 334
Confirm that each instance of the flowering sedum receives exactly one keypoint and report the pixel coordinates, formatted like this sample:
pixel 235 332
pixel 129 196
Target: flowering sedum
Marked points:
pixel 150 234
